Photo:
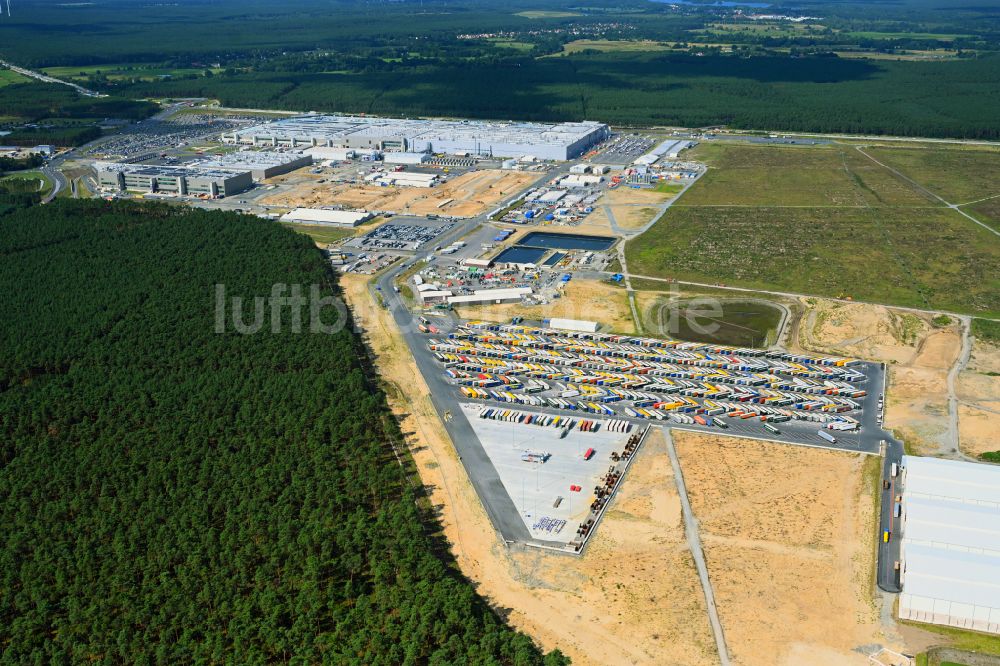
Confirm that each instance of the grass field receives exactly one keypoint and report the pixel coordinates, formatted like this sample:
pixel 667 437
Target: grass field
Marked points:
pixel 546 14
pixel 120 71
pixel 511 44
pixel 8 77
pixel 959 175
pixel 320 233
pixel 901 35
pixel 927 258
pixel 987 212
pixel 606 45
pixel 768 175
pixel 666 187
pixel 962 639
pixel 28 181
pixel 826 220
pixel 741 323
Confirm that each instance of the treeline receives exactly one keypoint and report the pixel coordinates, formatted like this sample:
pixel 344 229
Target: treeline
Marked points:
pixel 20 163
pixel 63 116
pixel 172 494
pixel 940 99
pixel 56 136
pixel 35 101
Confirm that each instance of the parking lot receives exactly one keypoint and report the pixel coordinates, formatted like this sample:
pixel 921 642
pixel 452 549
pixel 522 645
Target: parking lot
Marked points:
pixel 805 399
pixel 544 490
pixel 624 149
pixel 148 140
pixel 407 234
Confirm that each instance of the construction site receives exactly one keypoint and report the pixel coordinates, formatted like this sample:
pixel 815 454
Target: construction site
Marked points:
pixel 465 195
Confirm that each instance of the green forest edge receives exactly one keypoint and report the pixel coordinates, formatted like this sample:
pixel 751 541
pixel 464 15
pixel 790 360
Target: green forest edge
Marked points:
pixel 173 495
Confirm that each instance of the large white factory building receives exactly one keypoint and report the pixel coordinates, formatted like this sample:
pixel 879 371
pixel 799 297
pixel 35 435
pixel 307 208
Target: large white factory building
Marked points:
pixel 950 523
pixel 549 141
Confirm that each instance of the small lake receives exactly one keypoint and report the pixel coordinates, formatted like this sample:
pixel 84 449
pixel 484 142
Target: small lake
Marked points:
pixel 567 241
pixel 740 324
pixel 521 255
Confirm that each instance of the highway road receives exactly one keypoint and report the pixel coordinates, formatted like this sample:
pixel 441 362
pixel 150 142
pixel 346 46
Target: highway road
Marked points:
pixel 45 78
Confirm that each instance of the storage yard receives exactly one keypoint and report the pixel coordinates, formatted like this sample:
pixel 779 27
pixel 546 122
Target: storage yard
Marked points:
pixel 406 234
pixel 799 398
pixel 465 195
pixel 559 472
pixel 594 195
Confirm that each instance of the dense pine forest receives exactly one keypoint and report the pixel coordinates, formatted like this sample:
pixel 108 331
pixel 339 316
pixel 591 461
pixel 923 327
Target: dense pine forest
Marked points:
pixel 914 67
pixel 172 495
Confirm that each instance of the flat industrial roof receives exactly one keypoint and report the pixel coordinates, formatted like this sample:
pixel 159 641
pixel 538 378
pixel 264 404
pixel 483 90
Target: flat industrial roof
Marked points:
pixel 968 578
pixel 973 483
pixel 326 216
pixel 333 127
pixel 158 170
pixel 250 159
pixel 951 541
pixel 950 523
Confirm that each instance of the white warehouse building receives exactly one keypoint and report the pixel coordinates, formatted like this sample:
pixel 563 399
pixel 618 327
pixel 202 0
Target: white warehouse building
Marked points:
pixel 321 216
pixel 550 141
pixel 950 551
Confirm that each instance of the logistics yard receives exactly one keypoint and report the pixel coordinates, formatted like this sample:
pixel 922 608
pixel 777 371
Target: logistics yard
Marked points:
pixel 789 397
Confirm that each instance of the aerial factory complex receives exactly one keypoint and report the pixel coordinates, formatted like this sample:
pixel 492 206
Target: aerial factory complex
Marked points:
pixel 550 141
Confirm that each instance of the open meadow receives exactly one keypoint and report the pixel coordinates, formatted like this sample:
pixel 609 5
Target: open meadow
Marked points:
pixel 823 220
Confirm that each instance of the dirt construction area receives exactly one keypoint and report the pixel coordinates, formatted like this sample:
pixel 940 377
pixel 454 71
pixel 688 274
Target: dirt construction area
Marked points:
pixel 633 598
pixel 788 538
pixel 918 353
pixel 978 390
pixel 581 299
pixel 463 196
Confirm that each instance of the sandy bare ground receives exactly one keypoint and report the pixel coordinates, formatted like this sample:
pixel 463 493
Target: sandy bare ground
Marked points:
pixel 632 599
pixel 465 196
pixel 633 216
pixel 919 356
pixel 788 535
pixel 595 223
pixel 978 391
pixel 581 299
pixel 626 195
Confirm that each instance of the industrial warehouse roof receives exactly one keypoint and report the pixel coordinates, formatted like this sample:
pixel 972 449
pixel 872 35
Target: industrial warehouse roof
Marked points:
pixel 490 295
pixel 951 543
pixel 158 170
pixel 948 524
pixel 250 159
pixel 968 578
pixel 321 216
pixel 471 132
pixel 972 483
